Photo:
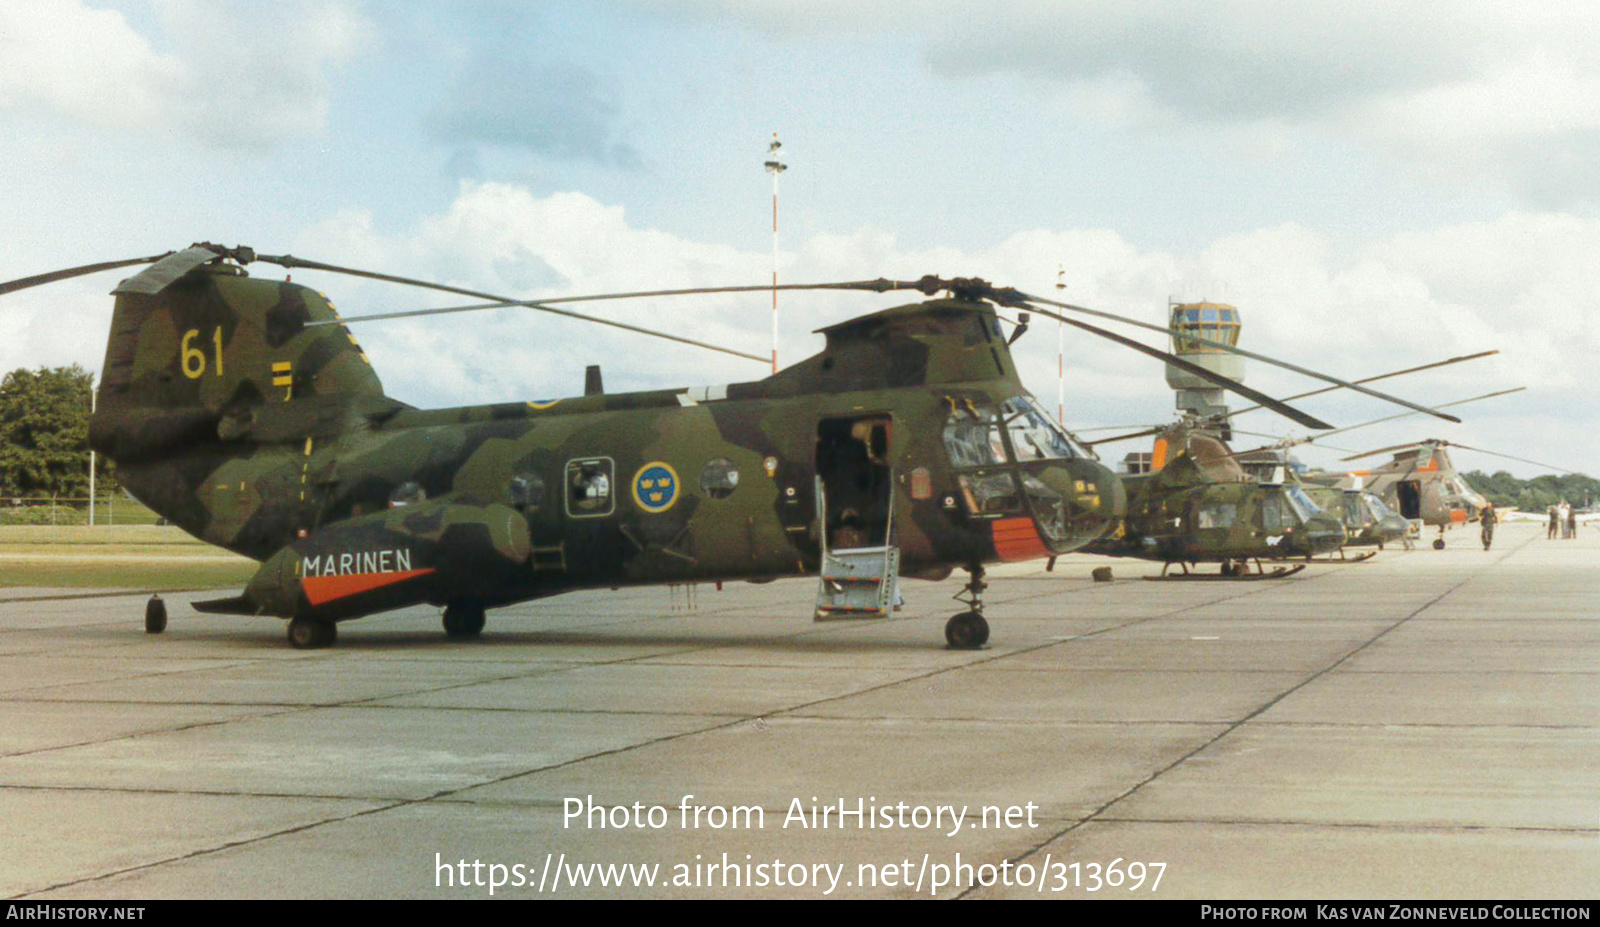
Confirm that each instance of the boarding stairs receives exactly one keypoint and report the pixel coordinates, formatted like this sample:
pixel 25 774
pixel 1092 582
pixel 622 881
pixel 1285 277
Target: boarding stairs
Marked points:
pixel 856 582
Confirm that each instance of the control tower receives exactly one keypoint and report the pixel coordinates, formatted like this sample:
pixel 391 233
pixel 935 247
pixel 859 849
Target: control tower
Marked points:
pixel 1214 322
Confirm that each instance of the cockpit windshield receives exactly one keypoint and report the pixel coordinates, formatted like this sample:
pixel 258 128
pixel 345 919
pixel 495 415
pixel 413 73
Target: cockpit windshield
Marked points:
pixel 972 434
pixel 1301 503
pixel 1380 509
pixel 1033 435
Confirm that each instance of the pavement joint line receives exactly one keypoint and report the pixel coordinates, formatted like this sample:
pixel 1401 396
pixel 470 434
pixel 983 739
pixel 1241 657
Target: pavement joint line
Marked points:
pixel 166 730
pixel 204 851
pixel 1241 722
pixel 207 793
pixel 1397 827
pixel 146 675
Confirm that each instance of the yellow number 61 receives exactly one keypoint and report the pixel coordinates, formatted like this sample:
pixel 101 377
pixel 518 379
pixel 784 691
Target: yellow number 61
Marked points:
pixel 193 360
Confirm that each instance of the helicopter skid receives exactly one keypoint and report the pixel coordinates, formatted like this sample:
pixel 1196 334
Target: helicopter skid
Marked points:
pixel 1275 573
pixel 1358 558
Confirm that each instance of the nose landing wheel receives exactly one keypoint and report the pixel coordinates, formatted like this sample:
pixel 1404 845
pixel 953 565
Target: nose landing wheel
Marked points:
pixel 969 630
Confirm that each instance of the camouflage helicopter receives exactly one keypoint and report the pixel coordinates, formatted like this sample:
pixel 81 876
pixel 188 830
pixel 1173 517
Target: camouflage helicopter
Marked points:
pixel 1198 501
pixel 244 411
pixel 1422 492
pixel 1201 506
pixel 1369 520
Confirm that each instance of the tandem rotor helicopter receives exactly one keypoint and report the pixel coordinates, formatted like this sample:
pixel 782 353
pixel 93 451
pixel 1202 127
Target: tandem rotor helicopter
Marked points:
pixel 243 410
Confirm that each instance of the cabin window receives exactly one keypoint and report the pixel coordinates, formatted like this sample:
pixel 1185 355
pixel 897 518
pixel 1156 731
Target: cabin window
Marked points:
pixel 718 478
pixel 407 493
pixel 1216 515
pixel 527 491
pixel 590 487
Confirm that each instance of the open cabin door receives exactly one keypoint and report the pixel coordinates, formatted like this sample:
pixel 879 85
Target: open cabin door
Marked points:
pixel 853 465
pixel 855 514
pixel 1408 495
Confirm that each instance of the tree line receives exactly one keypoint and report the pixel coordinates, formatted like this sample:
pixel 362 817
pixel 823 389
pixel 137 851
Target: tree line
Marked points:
pixel 1536 494
pixel 44 434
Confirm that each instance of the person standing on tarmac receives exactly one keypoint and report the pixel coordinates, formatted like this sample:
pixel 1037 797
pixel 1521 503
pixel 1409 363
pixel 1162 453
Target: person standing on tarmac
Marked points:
pixel 1487 519
pixel 1551 534
pixel 1572 522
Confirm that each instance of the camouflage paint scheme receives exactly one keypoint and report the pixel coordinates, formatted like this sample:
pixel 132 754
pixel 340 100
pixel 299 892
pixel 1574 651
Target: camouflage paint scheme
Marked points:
pixel 1443 499
pixel 1201 507
pixel 232 413
pixel 1367 520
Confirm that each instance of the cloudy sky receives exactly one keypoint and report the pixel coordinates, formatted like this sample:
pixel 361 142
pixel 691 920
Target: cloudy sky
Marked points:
pixel 1375 185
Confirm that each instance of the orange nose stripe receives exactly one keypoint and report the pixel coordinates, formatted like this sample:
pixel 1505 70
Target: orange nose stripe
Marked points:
pixel 1016 539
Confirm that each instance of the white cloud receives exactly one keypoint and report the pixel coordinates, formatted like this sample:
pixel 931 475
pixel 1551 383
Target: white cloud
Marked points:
pixel 233 75
pixel 1519 284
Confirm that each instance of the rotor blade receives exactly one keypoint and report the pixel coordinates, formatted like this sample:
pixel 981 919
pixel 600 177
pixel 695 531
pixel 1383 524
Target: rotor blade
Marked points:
pixel 1082 431
pixel 1385 450
pixel 23 283
pixel 1153 430
pixel 1381 376
pixel 880 285
pixel 1509 457
pixel 1389 418
pixel 528 304
pixel 1185 336
pixel 1199 371
pixel 161 274
pixel 289 261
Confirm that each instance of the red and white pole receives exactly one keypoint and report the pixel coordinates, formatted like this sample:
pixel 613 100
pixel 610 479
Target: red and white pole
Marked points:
pixel 775 167
pixel 1061 353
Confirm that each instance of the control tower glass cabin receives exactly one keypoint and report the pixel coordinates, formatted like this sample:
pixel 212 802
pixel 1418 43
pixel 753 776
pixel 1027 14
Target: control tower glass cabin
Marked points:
pixel 1215 322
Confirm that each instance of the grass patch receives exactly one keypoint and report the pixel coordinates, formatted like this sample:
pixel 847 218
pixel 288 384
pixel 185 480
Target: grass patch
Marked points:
pixel 155 558
pixel 153 575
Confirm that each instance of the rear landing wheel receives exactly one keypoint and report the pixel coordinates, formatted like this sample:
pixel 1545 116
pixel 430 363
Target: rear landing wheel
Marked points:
pixel 463 619
pixel 1438 544
pixel 966 631
pixel 155 615
pixel 307 634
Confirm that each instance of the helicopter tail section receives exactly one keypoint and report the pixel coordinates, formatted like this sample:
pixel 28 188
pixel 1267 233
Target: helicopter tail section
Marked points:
pixel 209 378
pixel 216 351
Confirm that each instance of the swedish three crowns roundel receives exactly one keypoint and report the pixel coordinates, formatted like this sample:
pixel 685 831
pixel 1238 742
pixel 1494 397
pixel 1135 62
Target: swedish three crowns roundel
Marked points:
pixel 655 486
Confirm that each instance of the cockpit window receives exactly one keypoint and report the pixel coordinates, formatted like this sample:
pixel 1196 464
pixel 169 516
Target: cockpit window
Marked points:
pixel 972 437
pixel 1380 509
pixel 1303 507
pixel 991 493
pixel 1278 513
pixel 1049 509
pixel 972 434
pixel 1033 435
